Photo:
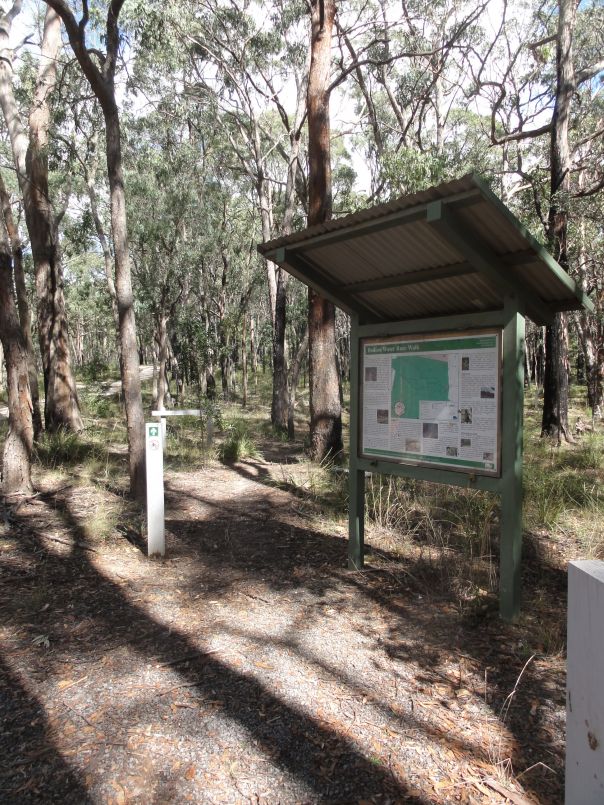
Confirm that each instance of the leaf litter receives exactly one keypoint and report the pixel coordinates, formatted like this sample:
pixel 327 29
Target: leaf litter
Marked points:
pixel 251 666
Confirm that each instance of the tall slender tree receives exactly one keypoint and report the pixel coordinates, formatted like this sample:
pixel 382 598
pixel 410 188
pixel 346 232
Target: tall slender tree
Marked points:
pixel 555 383
pixel 22 302
pixel 16 459
pixel 30 155
pixel 325 408
pixel 100 69
pixel 523 85
pixel 251 68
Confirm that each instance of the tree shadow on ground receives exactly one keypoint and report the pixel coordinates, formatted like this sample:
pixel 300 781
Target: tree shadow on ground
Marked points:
pixel 295 742
pixel 258 538
pixel 259 473
pixel 291 556
pixel 33 769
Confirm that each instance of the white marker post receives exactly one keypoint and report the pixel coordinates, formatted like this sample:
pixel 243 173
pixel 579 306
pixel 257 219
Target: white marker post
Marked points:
pixel 185 412
pixel 584 693
pixel 154 455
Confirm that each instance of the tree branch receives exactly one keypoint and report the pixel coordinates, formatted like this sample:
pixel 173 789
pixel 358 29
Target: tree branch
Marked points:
pixel 521 135
pixel 76 33
pixel 589 72
pixel 14 11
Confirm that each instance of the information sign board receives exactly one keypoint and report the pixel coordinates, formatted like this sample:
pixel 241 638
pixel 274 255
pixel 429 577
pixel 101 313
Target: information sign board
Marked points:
pixel 433 400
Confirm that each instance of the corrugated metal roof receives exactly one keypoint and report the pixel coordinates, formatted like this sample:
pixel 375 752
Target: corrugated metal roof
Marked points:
pixel 454 248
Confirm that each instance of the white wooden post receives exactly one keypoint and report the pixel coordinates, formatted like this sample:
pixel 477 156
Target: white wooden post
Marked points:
pixel 164 432
pixel 585 684
pixel 154 455
pixel 210 430
pixel 186 412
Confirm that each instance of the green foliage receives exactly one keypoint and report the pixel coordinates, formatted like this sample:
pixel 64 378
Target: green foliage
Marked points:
pixel 96 370
pixel 212 410
pixel 64 450
pixel 238 442
pixel 408 170
pixel 562 480
pixel 99 406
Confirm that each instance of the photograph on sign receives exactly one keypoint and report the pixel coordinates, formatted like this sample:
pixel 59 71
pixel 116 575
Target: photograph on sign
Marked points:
pixel 433 400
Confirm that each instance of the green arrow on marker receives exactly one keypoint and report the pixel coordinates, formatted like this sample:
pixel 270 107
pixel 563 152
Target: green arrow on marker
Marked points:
pixel 153 431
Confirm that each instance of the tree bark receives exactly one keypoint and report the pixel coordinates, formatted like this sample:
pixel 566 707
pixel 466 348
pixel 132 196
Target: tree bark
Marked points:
pixel 293 385
pixel 555 386
pixel 223 336
pixel 277 287
pixel 22 304
pixel 279 403
pixel 159 401
pixel 129 362
pixel 244 360
pixel 102 82
pixel 16 460
pixel 253 351
pixel 590 328
pixel 325 409
pixel 554 421
pixel 61 409
pixel 90 177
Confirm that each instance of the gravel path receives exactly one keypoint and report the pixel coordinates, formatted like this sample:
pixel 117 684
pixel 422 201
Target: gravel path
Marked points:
pixel 250 666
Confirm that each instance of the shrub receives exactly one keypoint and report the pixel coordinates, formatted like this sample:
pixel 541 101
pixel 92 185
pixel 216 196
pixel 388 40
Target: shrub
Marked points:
pixel 238 443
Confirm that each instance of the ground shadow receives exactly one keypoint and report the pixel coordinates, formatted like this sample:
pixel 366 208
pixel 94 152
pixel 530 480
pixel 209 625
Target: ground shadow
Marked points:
pixel 290 556
pixel 33 770
pixel 295 742
pixel 256 537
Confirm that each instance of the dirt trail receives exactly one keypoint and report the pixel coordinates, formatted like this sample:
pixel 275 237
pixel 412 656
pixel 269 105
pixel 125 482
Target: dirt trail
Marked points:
pixel 250 665
pixel 146 373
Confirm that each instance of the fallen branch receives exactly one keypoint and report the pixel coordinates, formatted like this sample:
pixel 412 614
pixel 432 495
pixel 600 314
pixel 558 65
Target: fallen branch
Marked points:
pixel 73 544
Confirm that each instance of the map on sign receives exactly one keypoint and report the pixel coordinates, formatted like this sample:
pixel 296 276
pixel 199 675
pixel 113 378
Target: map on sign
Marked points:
pixel 432 400
pixel 416 379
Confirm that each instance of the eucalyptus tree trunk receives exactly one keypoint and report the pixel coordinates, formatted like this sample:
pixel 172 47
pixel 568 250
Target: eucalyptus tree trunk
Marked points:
pixel 90 178
pixel 159 401
pixel 555 384
pixel 30 155
pixel 244 361
pixel 22 304
pixel 277 296
pixel 129 362
pixel 253 351
pixel 293 385
pixel 277 277
pixel 590 328
pixel 155 380
pixel 102 82
pixel 223 339
pixel 279 402
pixel 325 409
pixel 16 459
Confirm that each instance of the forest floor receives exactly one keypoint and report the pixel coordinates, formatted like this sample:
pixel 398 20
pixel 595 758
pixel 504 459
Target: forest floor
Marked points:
pixel 250 666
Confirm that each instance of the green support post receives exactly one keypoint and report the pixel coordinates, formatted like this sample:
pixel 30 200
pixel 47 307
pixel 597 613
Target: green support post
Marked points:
pixel 511 461
pixel 461 219
pixel 509 485
pixel 356 477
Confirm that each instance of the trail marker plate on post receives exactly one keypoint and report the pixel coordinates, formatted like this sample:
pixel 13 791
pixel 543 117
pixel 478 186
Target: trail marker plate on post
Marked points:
pixel 154 455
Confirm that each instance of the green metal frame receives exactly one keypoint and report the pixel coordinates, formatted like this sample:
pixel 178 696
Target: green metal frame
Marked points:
pixel 304 256
pixel 508 485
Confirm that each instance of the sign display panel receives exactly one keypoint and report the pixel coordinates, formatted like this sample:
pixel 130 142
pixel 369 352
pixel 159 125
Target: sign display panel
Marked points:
pixel 433 400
